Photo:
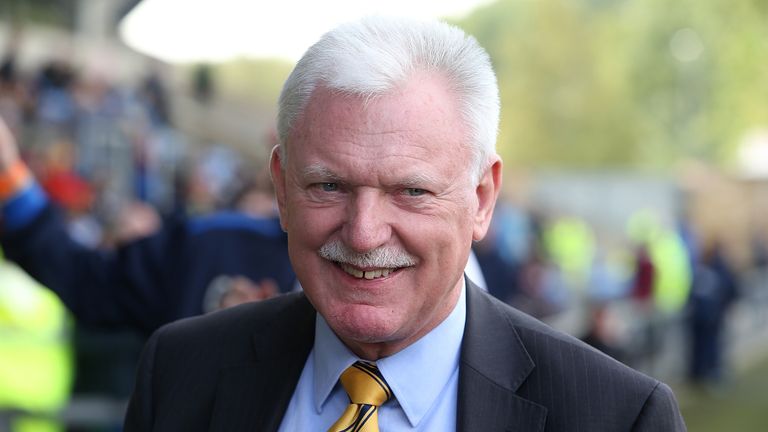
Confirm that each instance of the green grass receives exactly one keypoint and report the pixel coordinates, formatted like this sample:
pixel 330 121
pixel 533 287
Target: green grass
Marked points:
pixel 739 406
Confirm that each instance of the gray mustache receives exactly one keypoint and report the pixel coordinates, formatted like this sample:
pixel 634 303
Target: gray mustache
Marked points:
pixel 383 257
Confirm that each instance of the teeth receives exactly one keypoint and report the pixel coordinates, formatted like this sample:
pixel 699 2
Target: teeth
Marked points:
pixel 372 274
pixel 353 271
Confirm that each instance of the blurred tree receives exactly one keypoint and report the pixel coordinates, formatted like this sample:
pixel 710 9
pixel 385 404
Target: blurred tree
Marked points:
pixel 639 83
pixel 59 13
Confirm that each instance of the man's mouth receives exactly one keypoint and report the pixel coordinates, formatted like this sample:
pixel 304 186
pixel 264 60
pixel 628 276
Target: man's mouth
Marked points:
pixel 366 274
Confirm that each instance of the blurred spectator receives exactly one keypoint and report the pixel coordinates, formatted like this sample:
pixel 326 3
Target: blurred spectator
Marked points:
pixel 154 93
pixel 8 67
pixel 72 193
pixel 543 291
pixel 500 276
pixel 35 360
pixel 54 99
pixel 215 179
pixel 570 244
pixel 34 350
pixel 602 332
pixel 756 279
pixel 759 251
pixel 606 280
pixel 202 83
pixel 13 95
pixel 513 229
pixel 643 277
pixel 670 259
pixel 714 290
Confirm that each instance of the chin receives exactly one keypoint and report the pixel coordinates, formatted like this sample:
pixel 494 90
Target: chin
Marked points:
pixel 364 324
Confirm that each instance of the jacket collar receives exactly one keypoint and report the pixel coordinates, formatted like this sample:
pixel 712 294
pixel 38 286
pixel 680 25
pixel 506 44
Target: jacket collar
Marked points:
pixel 494 364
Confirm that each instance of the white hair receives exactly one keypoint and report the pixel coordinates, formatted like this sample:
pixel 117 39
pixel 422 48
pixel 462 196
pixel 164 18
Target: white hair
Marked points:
pixel 373 55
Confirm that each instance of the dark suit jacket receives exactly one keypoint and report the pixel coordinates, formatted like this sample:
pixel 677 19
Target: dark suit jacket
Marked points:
pixel 236 370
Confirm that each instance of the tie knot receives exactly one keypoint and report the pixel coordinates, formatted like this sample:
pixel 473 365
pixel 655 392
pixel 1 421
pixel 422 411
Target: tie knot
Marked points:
pixel 365 384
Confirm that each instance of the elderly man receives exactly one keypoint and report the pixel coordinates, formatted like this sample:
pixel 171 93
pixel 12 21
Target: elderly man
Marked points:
pixel 385 174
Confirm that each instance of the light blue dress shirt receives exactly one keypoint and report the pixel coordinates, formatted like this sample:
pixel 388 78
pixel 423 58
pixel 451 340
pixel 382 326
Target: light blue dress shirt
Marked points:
pixel 424 378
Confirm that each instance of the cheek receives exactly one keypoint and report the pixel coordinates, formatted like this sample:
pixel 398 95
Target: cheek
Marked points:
pixel 454 224
pixel 436 240
pixel 449 239
pixel 312 226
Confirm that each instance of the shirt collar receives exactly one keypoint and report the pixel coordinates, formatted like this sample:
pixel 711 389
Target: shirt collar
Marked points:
pixel 415 378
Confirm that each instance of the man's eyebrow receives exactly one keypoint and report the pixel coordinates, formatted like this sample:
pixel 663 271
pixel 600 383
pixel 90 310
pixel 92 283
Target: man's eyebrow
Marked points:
pixel 416 180
pixel 319 171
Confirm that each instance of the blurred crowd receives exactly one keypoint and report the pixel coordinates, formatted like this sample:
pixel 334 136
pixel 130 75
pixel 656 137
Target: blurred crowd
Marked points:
pixel 108 156
pixel 122 183
pixel 95 146
pixel 633 289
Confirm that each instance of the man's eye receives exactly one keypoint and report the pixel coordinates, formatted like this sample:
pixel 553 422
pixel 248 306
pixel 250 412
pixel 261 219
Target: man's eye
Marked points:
pixel 415 192
pixel 329 187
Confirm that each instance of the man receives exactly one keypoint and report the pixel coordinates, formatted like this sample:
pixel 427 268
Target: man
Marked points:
pixel 385 174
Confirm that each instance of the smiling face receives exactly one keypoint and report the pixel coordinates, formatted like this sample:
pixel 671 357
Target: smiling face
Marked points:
pixel 381 210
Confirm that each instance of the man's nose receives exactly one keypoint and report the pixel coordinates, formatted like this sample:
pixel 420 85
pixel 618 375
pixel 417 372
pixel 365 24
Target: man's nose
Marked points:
pixel 366 227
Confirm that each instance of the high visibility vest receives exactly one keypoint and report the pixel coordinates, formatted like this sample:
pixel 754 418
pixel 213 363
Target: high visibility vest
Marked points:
pixel 571 245
pixel 672 281
pixel 673 272
pixel 36 366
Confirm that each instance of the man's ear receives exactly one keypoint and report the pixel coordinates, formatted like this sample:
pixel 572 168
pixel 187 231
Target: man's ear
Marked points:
pixel 487 192
pixel 278 180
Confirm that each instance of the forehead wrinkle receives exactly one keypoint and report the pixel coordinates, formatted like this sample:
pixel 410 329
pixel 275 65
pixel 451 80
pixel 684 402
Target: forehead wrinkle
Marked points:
pixel 386 132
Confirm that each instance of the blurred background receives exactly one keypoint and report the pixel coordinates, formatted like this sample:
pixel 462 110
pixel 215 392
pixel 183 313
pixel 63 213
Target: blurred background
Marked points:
pixel 634 135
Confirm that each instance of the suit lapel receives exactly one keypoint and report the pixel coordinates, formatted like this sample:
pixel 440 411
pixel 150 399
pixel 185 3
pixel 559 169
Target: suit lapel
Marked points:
pixel 494 363
pixel 255 396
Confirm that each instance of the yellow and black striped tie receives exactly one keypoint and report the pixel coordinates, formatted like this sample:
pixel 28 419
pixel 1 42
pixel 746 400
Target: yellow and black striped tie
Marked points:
pixel 367 391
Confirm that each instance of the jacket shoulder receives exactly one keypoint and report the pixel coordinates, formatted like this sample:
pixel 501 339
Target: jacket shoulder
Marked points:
pixel 226 332
pixel 560 352
pixel 580 387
